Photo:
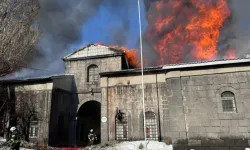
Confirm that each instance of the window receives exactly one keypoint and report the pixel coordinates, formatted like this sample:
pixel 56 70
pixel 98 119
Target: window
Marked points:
pixel 93 73
pixel 151 126
pixel 33 129
pixel 228 102
pixel 121 127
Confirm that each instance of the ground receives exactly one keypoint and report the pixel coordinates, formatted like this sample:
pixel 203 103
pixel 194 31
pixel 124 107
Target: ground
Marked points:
pixel 135 145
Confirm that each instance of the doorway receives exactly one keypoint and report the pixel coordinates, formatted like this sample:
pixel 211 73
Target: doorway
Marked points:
pixel 88 117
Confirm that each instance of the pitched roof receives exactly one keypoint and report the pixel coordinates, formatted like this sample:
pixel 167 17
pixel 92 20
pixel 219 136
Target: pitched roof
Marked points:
pixel 90 52
pixel 207 63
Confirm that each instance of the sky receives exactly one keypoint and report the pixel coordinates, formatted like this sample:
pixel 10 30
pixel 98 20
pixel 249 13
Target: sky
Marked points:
pixel 101 26
pixel 97 29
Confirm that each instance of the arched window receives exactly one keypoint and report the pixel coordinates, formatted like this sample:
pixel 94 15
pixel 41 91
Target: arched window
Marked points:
pixel 228 102
pixel 121 126
pixel 151 126
pixel 93 73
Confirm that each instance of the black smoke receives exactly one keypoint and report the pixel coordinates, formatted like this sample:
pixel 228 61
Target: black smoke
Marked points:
pixel 61 23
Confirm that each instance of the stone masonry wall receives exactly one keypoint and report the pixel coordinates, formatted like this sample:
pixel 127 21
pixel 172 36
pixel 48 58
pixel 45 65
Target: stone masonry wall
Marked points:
pixel 173 127
pixel 79 70
pixel 190 110
pixel 207 124
pixel 38 100
pixel 128 99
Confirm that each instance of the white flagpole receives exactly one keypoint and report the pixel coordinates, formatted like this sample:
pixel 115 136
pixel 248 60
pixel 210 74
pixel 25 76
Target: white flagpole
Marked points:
pixel 142 74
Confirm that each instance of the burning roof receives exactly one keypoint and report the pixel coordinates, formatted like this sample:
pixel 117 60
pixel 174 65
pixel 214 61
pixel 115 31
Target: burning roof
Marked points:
pixel 194 65
pixel 99 50
pixel 180 29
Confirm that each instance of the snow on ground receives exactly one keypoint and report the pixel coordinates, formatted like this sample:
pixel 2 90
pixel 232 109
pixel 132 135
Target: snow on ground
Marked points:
pixel 135 145
pixel 152 145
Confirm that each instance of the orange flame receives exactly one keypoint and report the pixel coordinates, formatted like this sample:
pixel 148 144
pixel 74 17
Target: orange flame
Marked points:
pixel 177 28
pixel 130 54
pixel 100 43
pixel 230 54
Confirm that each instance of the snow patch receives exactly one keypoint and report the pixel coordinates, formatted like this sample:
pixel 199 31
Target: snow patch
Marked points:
pixel 135 145
pixel 151 145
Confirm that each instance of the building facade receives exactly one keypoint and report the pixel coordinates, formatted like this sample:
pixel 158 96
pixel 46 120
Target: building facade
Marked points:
pixel 196 105
pixel 190 106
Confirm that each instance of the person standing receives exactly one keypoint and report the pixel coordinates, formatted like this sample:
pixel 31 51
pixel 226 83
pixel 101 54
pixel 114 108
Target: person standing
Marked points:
pixel 92 137
pixel 15 139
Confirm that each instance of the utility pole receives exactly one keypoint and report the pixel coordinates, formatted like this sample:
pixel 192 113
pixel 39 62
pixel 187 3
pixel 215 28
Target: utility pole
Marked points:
pixel 142 75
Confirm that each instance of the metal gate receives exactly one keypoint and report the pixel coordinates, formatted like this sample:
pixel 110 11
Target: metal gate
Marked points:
pixel 122 127
pixel 151 126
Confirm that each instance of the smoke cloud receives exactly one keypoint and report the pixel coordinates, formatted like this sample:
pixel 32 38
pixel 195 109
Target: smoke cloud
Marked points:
pixel 239 27
pixel 61 23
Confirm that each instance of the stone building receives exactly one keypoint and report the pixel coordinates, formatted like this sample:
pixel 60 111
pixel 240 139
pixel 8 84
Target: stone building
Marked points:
pixel 37 104
pixel 196 105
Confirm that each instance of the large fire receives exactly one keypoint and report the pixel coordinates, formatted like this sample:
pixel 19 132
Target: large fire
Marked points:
pixel 178 29
pixel 130 54
pixel 230 54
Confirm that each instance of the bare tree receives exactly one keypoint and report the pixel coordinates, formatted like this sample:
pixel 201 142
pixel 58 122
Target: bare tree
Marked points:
pixel 3 111
pixel 27 110
pixel 18 33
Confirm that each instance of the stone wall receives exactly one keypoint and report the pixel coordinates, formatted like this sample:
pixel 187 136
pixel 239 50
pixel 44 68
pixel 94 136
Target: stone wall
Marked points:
pixel 173 119
pixel 79 70
pixel 127 100
pixel 35 97
pixel 189 108
pixel 206 123
pixel 162 98
pixel 86 91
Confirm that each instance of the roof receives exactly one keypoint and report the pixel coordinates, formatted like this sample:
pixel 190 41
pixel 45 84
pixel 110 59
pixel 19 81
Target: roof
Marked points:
pixel 207 63
pixel 129 71
pixel 34 79
pixel 115 52
pixel 193 65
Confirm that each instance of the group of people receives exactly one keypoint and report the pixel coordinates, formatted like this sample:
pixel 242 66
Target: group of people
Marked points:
pixel 15 138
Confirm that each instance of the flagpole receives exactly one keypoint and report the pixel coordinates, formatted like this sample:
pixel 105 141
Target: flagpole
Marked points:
pixel 142 75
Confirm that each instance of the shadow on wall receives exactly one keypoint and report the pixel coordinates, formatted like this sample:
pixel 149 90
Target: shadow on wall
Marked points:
pixel 7 110
pixel 63 117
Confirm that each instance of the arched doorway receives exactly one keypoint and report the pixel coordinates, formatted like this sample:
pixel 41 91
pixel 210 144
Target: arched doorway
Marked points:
pixel 88 117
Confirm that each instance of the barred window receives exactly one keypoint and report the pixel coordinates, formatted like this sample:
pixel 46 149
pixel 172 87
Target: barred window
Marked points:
pixel 228 102
pixel 151 126
pixel 121 127
pixel 93 73
pixel 33 131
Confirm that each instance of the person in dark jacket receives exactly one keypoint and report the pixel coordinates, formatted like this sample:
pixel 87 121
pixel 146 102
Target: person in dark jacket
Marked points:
pixel 15 139
pixel 92 137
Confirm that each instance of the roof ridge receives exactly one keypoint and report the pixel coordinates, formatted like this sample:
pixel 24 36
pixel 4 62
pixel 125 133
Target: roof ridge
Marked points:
pixel 83 47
